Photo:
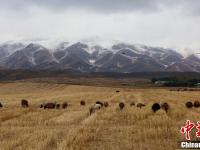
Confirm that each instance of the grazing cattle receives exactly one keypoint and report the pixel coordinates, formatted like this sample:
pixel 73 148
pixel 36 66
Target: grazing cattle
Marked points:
pixel 82 103
pixel 140 105
pixel 132 104
pixel 64 105
pixel 165 107
pixel 185 89
pixel 1 105
pixel 57 106
pixel 24 103
pixel 49 105
pixel 105 104
pixel 94 108
pixel 196 104
pixel 121 105
pixel 155 107
pixel 42 105
pixel 189 104
pixel 117 91
pixel 99 102
pixel 179 89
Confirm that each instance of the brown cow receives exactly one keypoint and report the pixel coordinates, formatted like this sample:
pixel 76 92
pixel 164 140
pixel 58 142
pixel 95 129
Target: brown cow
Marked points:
pixel 57 106
pixel 24 103
pixel 196 104
pixel 1 105
pixel 105 104
pixel 165 107
pixel 189 104
pixel 49 106
pixel 121 105
pixel 132 104
pixel 82 103
pixel 140 105
pixel 64 105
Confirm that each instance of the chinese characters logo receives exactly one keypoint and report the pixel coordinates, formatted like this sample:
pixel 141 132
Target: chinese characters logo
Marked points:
pixel 188 128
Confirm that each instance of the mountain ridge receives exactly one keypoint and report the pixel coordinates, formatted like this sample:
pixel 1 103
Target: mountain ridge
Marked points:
pixel 121 57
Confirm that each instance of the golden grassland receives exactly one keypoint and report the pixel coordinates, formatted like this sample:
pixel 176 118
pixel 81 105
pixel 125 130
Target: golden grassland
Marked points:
pixel 108 129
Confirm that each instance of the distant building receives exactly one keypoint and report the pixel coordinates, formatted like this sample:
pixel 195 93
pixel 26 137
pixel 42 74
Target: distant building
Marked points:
pixel 160 83
pixel 198 84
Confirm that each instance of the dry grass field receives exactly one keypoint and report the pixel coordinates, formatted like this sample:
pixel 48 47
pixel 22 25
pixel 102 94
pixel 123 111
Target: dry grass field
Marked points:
pixel 73 128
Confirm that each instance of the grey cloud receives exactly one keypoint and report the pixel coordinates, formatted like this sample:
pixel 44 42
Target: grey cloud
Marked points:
pixel 96 5
pixel 171 27
pixel 104 6
pixel 107 5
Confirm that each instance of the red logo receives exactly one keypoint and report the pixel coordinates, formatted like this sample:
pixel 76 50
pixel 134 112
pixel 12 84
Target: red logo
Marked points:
pixel 188 128
pixel 198 129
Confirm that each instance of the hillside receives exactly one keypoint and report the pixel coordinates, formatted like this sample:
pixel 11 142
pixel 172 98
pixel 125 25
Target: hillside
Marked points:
pixel 92 58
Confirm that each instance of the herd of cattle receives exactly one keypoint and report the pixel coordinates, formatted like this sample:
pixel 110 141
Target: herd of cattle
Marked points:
pixel 195 104
pixel 99 104
pixel 185 89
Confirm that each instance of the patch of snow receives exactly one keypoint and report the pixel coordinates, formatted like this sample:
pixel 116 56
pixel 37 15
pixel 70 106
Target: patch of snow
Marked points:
pixel 89 50
pixel 172 63
pixel 133 59
pixel 166 66
pixel 12 47
pixel 133 50
pixel 61 46
pixel 197 55
pixel 92 61
pixel 140 47
pixel 33 60
pixel 64 56
pixel 54 58
pixel 119 65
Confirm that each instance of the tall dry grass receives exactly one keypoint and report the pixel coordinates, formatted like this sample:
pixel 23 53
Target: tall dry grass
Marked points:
pixel 73 128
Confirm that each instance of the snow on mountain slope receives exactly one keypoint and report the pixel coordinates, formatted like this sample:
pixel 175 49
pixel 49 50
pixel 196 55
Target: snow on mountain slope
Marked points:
pixel 9 48
pixel 93 57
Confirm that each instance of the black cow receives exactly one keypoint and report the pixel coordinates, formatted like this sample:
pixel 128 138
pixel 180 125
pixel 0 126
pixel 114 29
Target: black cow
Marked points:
pixel 24 103
pixel 196 104
pixel 140 105
pixel 49 106
pixel 64 105
pixel 121 105
pixel 99 102
pixel 82 103
pixel 1 105
pixel 132 104
pixel 57 106
pixel 189 104
pixel 155 107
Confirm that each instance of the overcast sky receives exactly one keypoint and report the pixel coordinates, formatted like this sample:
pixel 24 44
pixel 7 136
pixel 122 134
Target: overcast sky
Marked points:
pixel 168 23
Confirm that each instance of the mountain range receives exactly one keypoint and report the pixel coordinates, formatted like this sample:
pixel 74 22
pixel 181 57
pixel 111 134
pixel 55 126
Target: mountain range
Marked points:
pixel 83 57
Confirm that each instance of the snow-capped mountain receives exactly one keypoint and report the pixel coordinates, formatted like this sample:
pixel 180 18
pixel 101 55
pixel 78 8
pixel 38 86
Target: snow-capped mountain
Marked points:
pixel 85 57
pixel 8 48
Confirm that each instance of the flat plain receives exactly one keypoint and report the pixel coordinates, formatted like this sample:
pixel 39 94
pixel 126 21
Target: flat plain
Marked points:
pixel 73 128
